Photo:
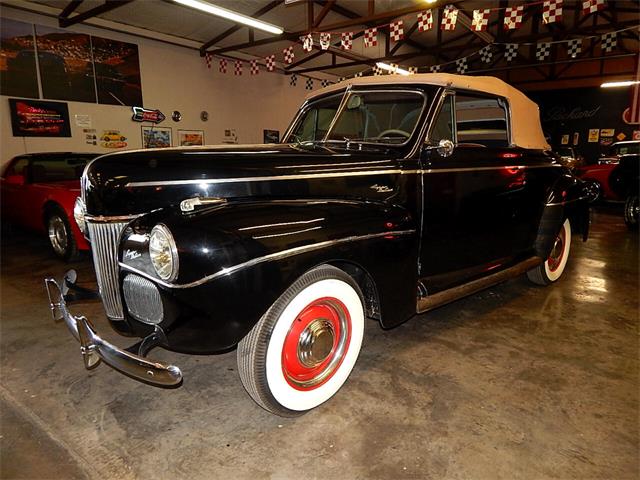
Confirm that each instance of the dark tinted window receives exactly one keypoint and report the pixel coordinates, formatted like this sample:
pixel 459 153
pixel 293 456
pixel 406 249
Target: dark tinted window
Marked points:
pixel 443 126
pixel 627 149
pixel 57 169
pixel 316 120
pixel 19 167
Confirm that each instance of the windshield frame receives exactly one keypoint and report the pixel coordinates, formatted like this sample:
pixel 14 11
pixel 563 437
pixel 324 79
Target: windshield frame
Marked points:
pixel 343 102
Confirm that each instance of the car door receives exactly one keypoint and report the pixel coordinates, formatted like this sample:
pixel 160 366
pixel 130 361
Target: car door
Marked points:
pixel 478 212
pixel 14 195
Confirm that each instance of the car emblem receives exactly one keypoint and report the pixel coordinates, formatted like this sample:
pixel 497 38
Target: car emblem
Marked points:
pixel 131 254
pixel 381 188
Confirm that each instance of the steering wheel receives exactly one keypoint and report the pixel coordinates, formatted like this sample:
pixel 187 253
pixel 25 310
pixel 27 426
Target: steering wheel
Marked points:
pixel 396 131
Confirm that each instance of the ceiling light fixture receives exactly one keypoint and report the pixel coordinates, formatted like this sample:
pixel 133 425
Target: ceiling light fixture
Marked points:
pixel 430 1
pixel 389 68
pixel 231 15
pixel 626 83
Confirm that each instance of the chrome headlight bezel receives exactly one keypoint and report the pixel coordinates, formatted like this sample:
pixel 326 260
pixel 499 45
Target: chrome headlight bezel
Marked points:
pixel 162 249
pixel 79 212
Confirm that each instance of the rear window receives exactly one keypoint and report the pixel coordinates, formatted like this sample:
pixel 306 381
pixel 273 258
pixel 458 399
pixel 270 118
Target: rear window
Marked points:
pixel 481 120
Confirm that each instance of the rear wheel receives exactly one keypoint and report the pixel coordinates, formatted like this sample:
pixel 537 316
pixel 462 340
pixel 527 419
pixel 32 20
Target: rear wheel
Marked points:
pixel 60 234
pixel 551 269
pixel 303 349
pixel 631 212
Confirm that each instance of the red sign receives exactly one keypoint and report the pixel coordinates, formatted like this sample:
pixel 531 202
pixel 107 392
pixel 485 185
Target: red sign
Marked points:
pixel 145 115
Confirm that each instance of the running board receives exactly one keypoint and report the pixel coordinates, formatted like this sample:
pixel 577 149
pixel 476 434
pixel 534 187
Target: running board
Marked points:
pixel 441 298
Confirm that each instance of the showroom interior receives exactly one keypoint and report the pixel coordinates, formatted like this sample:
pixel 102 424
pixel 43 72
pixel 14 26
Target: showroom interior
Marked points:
pixel 334 239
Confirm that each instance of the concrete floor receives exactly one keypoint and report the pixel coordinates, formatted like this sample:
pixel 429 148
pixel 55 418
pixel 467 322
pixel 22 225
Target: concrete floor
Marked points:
pixel 515 382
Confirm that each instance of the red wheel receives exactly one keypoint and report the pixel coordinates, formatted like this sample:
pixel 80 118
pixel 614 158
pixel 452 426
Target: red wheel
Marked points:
pixel 552 268
pixel 303 349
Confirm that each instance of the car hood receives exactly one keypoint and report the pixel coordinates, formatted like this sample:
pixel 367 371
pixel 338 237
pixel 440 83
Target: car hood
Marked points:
pixel 130 183
pixel 70 185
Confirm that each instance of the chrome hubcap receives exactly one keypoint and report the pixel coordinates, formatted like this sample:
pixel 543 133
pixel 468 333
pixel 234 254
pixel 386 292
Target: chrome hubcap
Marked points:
pixel 58 235
pixel 316 342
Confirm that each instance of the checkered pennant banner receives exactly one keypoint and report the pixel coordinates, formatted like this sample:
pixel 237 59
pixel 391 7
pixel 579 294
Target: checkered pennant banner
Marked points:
pixel 413 70
pixel 237 68
pixel 510 51
pixel 325 83
pixel 394 68
pixel 293 80
pixel 359 74
pixel 308 84
pixel 307 42
pixel 574 47
pixel 425 21
pixel 449 18
pixel 551 11
pixel 462 65
pixel 371 37
pixel 480 20
pixel 609 42
pixel 254 67
pixel 223 65
pixel 325 40
pixel 342 79
pixel 346 40
pixel 208 58
pixel 592 6
pixel 270 61
pixel 513 17
pixel 396 31
pixel 543 50
pixel 434 68
pixel 486 54
pixel 288 54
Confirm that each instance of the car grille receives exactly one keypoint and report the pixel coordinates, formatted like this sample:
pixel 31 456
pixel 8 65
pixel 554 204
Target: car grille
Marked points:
pixel 143 299
pixel 104 247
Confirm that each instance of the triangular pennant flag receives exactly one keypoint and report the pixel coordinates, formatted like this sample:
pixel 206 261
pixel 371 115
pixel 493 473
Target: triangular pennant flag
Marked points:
pixel 480 20
pixel 551 11
pixel 449 18
pixel 307 42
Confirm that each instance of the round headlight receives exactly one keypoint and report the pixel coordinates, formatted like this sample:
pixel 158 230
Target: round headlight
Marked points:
pixel 78 215
pixel 163 253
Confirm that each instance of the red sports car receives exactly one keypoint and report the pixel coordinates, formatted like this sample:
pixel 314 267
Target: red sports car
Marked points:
pixel 39 191
pixel 600 172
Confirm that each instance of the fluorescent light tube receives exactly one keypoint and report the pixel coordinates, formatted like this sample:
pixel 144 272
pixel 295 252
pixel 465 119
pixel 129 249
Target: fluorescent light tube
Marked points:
pixel 626 83
pixel 231 15
pixel 389 68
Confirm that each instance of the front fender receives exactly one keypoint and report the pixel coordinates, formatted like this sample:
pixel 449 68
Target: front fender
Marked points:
pixel 237 259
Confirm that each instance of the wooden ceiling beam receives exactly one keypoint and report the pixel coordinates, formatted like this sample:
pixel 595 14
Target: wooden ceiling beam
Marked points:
pixel 107 6
pixel 69 9
pixel 257 14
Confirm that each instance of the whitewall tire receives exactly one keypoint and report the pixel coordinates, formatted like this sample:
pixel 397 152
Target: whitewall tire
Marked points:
pixel 553 267
pixel 303 349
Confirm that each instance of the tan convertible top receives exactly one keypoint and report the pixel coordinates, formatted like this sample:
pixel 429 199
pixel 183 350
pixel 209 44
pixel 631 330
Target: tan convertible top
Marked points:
pixel 526 131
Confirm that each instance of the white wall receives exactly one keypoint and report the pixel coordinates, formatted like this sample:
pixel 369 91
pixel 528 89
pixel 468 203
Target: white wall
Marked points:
pixel 173 78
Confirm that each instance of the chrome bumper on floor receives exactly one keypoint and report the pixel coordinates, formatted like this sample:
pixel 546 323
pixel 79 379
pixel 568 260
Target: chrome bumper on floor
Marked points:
pixel 94 348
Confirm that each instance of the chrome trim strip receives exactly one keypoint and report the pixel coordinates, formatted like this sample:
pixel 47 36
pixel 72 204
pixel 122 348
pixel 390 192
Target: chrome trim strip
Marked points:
pixel 584 197
pixel 272 256
pixel 303 176
pixel 114 219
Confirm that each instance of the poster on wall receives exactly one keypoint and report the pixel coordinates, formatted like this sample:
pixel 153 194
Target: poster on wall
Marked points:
pixel 34 118
pixel 112 139
pixel 156 137
pixel 271 136
pixel 18 75
pixel 565 140
pixel 594 135
pixel 190 137
pixel 576 138
pixel 607 132
pixel 66 68
pixel 117 70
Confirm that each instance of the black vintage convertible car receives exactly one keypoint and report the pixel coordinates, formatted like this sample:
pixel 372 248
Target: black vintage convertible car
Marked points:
pixel 389 196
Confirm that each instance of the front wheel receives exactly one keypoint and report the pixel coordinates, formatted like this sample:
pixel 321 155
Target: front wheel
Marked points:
pixel 303 349
pixel 551 269
pixel 632 212
pixel 61 236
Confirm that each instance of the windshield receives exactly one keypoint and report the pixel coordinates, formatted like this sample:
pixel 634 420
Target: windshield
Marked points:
pixel 383 117
pixel 626 149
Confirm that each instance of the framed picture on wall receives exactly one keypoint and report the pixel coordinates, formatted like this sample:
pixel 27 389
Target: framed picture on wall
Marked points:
pixel 190 137
pixel 33 118
pixel 156 137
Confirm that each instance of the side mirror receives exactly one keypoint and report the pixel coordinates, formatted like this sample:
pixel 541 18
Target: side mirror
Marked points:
pixel 445 147
pixel 17 180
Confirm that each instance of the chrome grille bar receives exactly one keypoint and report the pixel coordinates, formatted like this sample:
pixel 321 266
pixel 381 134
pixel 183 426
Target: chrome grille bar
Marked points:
pixel 104 248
